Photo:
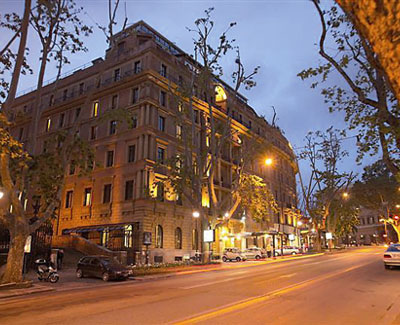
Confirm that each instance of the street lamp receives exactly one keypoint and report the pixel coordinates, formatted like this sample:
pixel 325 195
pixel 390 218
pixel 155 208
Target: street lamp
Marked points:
pixel 1 194
pixel 299 223
pixel 268 161
pixel 226 215
pixel 196 214
pixel 345 195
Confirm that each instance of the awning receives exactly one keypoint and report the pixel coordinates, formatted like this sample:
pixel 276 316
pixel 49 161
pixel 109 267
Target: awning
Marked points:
pixel 95 228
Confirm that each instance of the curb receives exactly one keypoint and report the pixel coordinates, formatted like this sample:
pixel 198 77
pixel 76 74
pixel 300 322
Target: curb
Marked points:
pixel 32 290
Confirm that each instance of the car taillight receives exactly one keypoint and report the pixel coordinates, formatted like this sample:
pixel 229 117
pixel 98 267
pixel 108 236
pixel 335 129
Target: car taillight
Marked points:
pixel 387 256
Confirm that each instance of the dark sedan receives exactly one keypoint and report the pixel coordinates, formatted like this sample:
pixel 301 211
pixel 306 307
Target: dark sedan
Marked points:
pixel 103 267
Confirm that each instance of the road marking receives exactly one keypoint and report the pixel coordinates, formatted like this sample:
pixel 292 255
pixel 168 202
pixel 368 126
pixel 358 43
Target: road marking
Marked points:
pixel 255 300
pixel 287 275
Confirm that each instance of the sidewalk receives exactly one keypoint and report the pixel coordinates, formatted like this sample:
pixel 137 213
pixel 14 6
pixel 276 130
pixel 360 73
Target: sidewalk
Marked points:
pixel 68 280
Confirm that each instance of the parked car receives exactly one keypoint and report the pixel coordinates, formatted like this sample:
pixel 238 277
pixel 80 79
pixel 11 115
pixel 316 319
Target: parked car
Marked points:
pixel 391 257
pixel 287 250
pixel 103 267
pixel 254 253
pixel 233 254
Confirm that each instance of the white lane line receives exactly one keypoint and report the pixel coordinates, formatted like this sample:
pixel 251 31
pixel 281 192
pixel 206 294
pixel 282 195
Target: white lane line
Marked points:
pixel 287 275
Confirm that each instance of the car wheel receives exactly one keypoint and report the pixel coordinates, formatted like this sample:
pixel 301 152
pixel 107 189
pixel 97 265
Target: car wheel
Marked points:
pixel 224 259
pixel 79 273
pixel 105 277
pixel 258 257
pixel 388 267
pixel 238 259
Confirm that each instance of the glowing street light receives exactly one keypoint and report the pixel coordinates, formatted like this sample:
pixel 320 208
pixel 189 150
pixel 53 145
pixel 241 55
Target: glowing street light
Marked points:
pixel 299 223
pixel 196 214
pixel 226 215
pixel 345 195
pixel 397 205
pixel 1 194
pixel 268 161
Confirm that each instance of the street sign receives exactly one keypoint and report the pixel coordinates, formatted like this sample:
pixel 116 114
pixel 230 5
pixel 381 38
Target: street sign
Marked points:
pixel 208 236
pixel 147 238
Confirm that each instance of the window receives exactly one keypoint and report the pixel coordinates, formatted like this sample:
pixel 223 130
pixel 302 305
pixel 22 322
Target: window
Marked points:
pixel 110 158
pixel 240 118
pixel 160 191
pixel 131 153
pixel 95 108
pixel 163 71
pixel 121 48
pixel 161 123
pixel 114 101
pixel 117 74
pixel 87 197
pixel 178 238
pixel 135 95
pixel 195 239
pixel 196 116
pixel 72 168
pixel 77 113
pixel 68 199
pixel 159 237
pixel 134 121
pixel 160 155
pixel 180 81
pixel 163 98
pixel 129 190
pixel 21 133
pixel 107 193
pixel 93 132
pixel 65 94
pixel 61 120
pixel 81 88
pixel 51 100
pixel 48 124
pixel 137 67
pixel 179 131
pixel 113 127
pixel 249 124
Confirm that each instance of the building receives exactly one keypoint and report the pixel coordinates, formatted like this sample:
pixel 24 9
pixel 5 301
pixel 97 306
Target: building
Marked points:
pixel 111 207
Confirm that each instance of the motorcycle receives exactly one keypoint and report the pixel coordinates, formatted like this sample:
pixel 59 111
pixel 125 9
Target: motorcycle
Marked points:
pixel 46 271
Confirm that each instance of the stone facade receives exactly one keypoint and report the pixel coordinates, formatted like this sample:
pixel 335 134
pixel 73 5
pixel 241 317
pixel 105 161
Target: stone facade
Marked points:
pixel 110 207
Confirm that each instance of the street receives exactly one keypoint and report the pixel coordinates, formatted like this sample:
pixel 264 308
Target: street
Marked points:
pixel 351 287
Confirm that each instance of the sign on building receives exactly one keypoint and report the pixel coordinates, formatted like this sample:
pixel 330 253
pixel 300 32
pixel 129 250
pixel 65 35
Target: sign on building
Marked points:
pixel 209 235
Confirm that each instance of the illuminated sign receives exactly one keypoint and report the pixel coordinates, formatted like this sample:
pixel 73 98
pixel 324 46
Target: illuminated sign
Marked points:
pixel 208 236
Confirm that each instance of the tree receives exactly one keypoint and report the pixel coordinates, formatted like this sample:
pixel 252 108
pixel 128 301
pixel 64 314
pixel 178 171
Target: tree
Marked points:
pixel 378 191
pixel 366 97
pixel 379 23
pixel 323 153
pixel 343 217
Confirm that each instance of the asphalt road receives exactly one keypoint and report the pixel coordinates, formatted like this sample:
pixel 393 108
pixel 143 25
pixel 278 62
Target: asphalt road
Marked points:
pixel 344 288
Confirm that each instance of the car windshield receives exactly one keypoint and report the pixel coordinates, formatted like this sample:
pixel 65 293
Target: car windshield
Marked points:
pixel 393 249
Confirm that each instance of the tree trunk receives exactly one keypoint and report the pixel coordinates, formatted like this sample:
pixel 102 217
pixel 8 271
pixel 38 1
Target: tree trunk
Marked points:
pixel 15 259
pixel 317 242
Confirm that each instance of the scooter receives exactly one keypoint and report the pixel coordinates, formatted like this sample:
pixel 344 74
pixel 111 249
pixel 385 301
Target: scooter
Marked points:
pixel 46 271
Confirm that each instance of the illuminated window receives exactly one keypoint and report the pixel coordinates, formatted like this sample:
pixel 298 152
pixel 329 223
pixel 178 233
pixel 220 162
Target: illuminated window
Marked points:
pixel 178 238
pixel 95 108
pixel 159 237
pixel 48 124
pixel 179 131
pixel 207 140
pixel 87 198
pixel 220 94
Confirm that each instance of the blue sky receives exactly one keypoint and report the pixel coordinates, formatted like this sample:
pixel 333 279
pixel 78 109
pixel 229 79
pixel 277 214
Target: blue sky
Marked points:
pixel 279 35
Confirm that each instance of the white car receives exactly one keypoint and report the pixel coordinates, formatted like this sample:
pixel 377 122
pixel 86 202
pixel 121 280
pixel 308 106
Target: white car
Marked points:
pixel 287 250
pixel 233 254
pixel 392 256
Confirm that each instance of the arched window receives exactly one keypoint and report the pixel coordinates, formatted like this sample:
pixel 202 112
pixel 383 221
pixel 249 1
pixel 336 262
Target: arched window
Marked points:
pixel 159 237
pixel 195 239
pixel 178 238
